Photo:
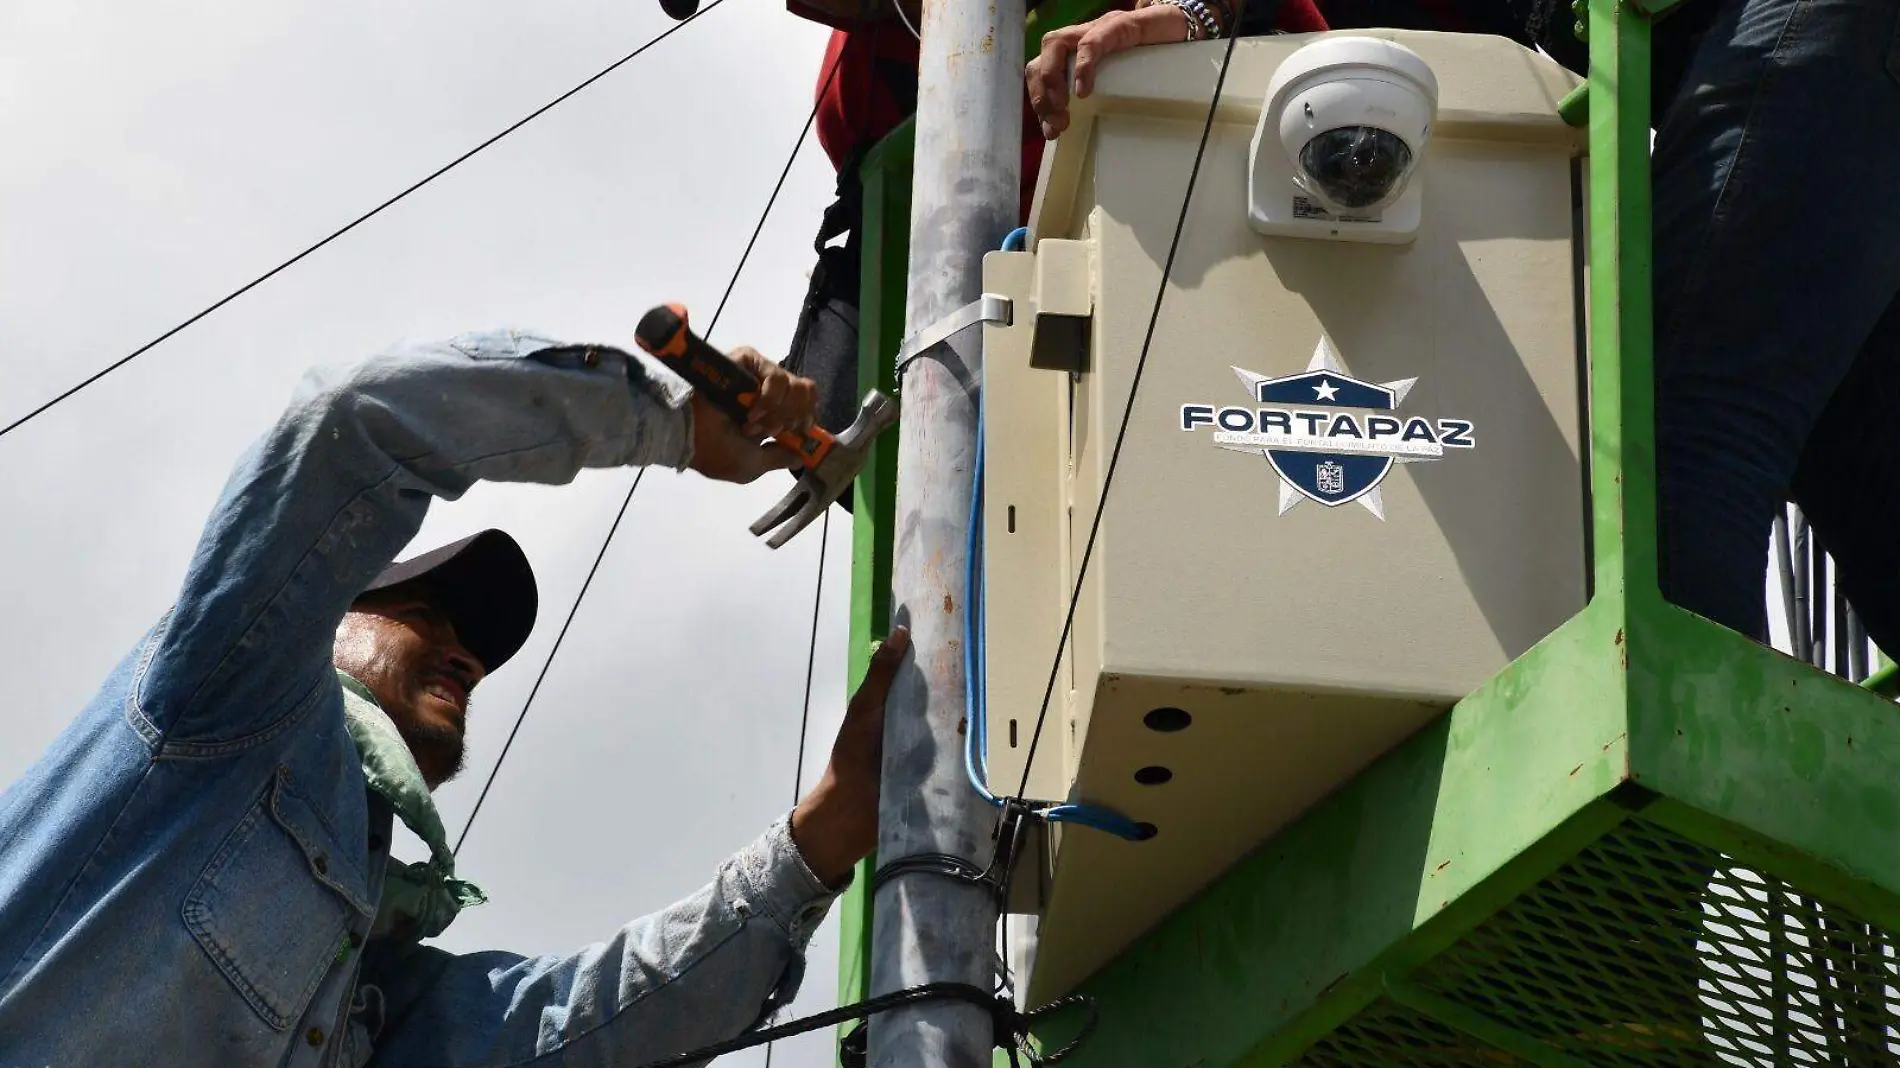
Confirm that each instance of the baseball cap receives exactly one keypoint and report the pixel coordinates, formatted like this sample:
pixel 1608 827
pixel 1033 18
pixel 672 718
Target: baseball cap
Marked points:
pixel 486 587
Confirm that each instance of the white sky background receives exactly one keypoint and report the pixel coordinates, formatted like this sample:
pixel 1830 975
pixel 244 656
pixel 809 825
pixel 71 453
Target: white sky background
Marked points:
pixel 155 156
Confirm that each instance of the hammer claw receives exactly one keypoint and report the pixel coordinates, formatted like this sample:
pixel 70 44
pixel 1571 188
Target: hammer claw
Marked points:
pixel 812 510
pixel 786 507
pixel 824 482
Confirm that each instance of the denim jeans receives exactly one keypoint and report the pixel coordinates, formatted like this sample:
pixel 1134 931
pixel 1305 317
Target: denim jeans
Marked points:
pixel 1777 260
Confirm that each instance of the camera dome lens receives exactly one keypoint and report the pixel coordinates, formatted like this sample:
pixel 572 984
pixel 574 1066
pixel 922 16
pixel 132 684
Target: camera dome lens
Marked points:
pixel 1356 166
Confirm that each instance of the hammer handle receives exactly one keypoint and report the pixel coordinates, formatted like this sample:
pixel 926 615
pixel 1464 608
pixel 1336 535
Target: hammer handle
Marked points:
pixel 666 335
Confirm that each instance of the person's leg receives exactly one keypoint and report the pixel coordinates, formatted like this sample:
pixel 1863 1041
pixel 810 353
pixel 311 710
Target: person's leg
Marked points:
pixel 1848 482
pixel 824 345
pixel 1777 250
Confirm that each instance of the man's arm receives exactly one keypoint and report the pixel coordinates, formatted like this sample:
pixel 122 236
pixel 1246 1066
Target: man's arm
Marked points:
pixel 341 483
pixel 700 972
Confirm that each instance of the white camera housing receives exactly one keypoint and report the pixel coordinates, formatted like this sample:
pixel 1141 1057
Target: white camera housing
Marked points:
pixel 1379 100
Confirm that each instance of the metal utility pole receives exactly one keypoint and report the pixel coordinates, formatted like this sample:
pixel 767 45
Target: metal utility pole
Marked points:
pixel 964 199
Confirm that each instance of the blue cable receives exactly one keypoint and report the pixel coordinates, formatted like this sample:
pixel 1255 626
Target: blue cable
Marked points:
pixel 1102 819
pixel 974 726
pixel 979 605
pixel 976 659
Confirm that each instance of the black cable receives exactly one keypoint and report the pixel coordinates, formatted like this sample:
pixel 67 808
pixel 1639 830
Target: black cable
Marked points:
pixel 773 199
pixel 770 202
pixel 947 865
pixel 811 665
pixel 1011 1028
pixel 351 225
pixel 1005 1015
pixel 811 658
pixel 572 610
pixel 1054 1056
pixel 811 655
pixel 1134 390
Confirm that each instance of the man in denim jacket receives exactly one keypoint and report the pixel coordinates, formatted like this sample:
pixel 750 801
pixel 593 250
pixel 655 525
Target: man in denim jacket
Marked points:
pixel 198 870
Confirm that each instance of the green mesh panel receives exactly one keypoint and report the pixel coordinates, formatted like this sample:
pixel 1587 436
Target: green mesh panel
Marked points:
pixel 1647 950
pixel 1388 1034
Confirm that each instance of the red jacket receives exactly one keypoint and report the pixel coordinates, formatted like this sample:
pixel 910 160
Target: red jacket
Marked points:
pixel 868 85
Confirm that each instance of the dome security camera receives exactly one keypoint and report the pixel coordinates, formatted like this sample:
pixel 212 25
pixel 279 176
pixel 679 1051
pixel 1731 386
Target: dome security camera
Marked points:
pixel 1340 138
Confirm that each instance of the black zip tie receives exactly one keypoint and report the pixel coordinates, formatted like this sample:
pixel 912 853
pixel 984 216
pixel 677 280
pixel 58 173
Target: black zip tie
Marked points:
pixel 1011 824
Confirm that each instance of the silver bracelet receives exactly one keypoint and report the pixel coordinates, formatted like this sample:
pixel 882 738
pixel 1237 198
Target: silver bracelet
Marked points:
pixel 1210 27
pixel 1214 28
pixel 1195 29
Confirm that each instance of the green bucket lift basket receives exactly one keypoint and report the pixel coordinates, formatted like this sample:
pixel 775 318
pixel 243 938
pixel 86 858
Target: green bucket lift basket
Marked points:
pixel 1647 842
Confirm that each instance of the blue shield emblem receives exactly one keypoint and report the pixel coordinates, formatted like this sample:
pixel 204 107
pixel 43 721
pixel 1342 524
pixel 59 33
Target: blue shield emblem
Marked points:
pixel 1330 478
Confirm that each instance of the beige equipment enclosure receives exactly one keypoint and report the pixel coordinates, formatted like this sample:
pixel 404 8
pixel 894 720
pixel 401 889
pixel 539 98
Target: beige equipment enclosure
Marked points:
pixel 1243 646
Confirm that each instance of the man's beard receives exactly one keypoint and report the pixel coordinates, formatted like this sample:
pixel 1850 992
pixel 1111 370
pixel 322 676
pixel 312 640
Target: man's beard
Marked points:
pixel 439 749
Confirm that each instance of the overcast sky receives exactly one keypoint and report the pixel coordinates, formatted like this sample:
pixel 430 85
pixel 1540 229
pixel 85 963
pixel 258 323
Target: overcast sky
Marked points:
pixel 158 155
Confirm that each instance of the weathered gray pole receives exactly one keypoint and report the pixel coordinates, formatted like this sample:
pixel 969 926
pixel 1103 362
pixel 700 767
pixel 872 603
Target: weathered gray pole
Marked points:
pixel 963 201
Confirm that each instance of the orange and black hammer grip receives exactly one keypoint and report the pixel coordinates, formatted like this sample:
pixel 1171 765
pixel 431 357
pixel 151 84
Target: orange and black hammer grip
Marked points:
pixel 665 334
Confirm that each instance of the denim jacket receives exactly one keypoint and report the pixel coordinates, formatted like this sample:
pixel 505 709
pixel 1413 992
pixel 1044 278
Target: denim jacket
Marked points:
pixel 190 873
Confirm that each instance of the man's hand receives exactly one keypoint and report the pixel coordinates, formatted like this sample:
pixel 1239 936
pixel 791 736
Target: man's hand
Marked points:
pixel 1047 75
pixel 731 453
pixel 835 826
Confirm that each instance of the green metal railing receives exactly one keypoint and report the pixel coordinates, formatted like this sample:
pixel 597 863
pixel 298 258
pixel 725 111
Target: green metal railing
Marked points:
pixel 1452 905
pixel 884 244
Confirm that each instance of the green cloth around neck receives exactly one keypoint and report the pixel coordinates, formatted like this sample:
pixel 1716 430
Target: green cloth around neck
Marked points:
pixel 420 899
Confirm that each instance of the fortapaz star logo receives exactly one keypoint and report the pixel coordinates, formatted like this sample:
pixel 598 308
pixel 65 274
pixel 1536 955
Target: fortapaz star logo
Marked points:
pixel 1331 438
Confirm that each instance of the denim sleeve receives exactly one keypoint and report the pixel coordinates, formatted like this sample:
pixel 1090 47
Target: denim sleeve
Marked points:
pixel 702 971
pixel 340 484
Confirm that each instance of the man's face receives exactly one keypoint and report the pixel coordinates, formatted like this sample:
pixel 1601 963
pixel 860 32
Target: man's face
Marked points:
pixel 400 644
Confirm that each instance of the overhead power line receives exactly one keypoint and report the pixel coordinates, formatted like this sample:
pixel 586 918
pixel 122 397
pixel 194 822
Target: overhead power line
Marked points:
pixel 547 663
pixel 352 224
pixel 1128 409
pixel 770 202
pixel 811 665
pixel 811 657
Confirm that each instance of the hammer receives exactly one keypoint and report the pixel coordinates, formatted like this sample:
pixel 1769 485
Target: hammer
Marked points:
pixel 829 461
